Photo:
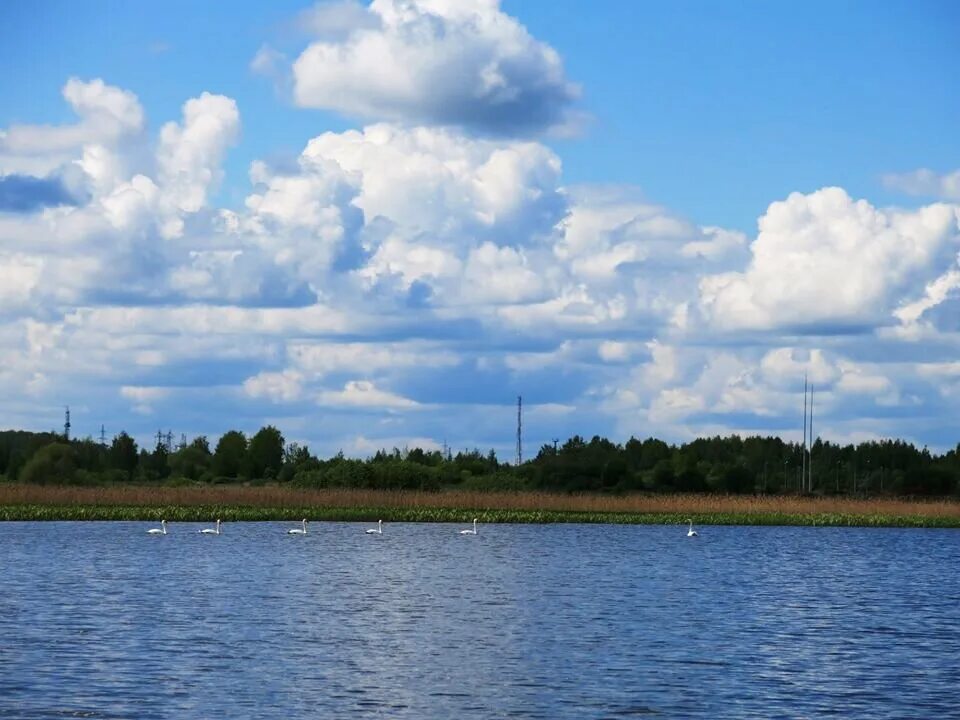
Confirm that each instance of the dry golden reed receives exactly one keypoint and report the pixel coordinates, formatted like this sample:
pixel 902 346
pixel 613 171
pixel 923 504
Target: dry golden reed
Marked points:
pixel 282 497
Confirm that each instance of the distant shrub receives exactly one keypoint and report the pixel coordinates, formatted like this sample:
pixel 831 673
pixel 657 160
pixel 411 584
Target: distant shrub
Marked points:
pixel 499 482
pixel 87 478
pixel 54 463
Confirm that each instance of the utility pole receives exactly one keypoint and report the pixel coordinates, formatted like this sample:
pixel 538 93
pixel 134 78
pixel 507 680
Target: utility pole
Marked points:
pixel 519 430
pixel 803 449
pixel 810 452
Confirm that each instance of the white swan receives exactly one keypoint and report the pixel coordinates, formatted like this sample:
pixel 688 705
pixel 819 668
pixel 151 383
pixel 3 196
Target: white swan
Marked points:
pixel 211 531
pixel 691 532
pixel 378 531
pixel 298 531
pixel 162 530
pixel 470 532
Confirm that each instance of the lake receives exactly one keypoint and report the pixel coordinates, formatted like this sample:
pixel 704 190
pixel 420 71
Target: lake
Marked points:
pixel 101 620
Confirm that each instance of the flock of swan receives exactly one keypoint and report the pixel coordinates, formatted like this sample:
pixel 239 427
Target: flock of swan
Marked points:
pixel 302 530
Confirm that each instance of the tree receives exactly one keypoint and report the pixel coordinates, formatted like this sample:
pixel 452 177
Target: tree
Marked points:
pixel 53 463
pixel 296 459
pixel 157 466
pixel 230 457
pixel 123 454
pixel 266 452
pixel 738 479
pixel 193 461
pixel 690 479
pixel 297 454
pixel 662 475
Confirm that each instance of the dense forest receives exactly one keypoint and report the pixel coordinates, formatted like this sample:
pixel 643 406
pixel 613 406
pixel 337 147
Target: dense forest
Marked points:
pixel 719 464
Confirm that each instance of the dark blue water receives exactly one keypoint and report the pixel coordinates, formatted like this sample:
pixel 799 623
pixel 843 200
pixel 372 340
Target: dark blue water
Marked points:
pixel 101 620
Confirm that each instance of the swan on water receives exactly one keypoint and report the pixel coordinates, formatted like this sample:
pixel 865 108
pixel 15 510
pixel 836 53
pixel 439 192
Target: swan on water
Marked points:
pixel 470 532
pixel 162 530
pixel 298 531
pixel 691 532
pixel 378 531
pixel 211 531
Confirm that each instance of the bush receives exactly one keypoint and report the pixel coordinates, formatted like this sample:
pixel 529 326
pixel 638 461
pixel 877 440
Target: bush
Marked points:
pixel 54 463
pixel 497 482
pixel 87 478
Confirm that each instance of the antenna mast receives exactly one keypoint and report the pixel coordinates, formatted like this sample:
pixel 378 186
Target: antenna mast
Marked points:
pixel 66 425
pixel 519 430
pixel 803 450
pixel 810 451
pixel 103 436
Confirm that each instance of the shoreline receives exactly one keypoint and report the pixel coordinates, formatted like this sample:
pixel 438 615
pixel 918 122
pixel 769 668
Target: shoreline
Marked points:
pixel 199 513
pixel 266 503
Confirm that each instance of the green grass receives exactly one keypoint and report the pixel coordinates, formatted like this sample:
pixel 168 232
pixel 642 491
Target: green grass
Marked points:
pixel 234 513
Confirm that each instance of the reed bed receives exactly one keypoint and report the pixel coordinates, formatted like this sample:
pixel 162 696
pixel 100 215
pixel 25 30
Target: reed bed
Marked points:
pixel 231 503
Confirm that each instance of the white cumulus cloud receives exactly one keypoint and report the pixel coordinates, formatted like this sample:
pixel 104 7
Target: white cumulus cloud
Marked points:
pixel 434 62
pixel 364 394
pixel 825 259
pixel 190 154
pixel 283 386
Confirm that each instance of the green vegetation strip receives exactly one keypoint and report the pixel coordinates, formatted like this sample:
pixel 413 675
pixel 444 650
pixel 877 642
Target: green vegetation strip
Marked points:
pixel 240 513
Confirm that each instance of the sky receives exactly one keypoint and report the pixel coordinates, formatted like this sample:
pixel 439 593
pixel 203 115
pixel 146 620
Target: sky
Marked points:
pixel 375 225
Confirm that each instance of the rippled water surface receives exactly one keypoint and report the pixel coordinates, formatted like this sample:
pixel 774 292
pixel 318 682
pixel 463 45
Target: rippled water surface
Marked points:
pixel 524 621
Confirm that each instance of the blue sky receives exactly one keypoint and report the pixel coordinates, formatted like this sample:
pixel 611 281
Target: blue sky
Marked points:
pixel 649 219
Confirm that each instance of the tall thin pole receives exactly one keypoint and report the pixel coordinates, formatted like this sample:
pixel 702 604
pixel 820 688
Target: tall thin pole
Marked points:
pixel 519 430
pixel 66 425
pixel 803 450
pixel 810 451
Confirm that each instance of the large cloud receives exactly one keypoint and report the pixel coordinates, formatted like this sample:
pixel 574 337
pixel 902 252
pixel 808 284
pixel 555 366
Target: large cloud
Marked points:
pixel 61 165
pixel 826 261
pixel 113 242
pixel 437 181
pixel 106 114
pixel 190 154
pixel 392 207
pixel 437 62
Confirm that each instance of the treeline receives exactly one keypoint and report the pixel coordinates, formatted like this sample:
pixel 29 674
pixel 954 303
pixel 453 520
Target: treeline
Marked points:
pixel 719 464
